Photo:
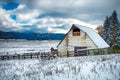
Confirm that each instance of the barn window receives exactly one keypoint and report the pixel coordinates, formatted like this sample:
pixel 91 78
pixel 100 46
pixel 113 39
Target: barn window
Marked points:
pixel 76 32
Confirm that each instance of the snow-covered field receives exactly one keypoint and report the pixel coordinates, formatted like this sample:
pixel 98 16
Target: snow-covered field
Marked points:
pixel 24 46
pixel 102 67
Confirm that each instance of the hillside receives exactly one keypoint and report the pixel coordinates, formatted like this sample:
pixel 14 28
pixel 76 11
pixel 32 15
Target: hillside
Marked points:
pixel 31 36
pixel 102 67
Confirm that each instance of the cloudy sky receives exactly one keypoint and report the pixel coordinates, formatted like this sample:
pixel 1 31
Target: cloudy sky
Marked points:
pixel 53 16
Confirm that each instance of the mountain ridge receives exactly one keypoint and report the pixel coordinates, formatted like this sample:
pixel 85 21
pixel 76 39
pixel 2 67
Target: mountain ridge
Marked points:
pixel 31 36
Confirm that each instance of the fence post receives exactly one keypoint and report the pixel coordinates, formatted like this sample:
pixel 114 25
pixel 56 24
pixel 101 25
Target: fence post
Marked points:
pixel 2 57
pixel 40 54
pixel 44 55
pixel 18 56
pixel 31 56
pixel 13 56
pixel 24 56
pixel 37 56
pixel 8 57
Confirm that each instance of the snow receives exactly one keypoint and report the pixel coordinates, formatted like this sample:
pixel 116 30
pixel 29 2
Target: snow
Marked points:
pixel 96 38
pixel 25 46
pixel 101 67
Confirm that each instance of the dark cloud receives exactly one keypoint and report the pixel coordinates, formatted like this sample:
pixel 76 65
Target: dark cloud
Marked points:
pixel 34 29
pixel 53 14
pixel 72 8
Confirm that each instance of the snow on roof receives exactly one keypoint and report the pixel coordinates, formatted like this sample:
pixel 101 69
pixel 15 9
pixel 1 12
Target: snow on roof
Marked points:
pixel 96 38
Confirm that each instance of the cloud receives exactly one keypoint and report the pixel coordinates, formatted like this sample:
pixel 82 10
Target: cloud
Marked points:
pixel 28 16
pixel 7 23
pixel 55 15
pixel 60 25
pixel 85 10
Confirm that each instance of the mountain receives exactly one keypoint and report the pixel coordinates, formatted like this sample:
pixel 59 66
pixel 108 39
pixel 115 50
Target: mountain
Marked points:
pixel 31 36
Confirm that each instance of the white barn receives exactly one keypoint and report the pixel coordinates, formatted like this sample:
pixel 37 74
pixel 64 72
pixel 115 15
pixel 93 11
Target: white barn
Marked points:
pixel 81 40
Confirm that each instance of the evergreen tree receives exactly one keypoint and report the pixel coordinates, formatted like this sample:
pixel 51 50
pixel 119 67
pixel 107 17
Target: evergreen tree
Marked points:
pixel 106 32
pixel 111 33
pixel 115 29
pixel 118 34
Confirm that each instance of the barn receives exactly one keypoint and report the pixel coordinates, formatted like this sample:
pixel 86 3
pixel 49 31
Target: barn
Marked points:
pixel 82 41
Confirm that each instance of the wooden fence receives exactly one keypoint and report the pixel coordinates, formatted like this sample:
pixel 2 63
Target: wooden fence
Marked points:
pixel 42 55
pixel 86 52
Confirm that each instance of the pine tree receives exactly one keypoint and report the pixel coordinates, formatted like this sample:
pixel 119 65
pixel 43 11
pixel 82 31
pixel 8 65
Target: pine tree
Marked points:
pixel 106 32
pixel 111 33
pixel 118 34
pixel 115 29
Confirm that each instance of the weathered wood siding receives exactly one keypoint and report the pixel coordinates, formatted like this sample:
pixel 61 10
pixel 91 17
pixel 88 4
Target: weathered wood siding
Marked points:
pixel 71 41
pixel 62 48
pixel 83 41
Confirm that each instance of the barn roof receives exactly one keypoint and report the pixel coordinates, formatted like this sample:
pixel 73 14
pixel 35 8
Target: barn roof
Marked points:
pixel 95 37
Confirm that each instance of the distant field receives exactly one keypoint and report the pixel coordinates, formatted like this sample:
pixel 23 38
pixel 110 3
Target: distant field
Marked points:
pixel 102 67
pixel 24 46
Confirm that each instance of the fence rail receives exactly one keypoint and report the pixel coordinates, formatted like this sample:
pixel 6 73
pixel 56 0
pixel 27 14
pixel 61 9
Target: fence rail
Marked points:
pixel 42 55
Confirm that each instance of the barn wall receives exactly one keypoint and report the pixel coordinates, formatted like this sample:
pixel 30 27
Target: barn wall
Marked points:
pixel 81 41
pixel 62 48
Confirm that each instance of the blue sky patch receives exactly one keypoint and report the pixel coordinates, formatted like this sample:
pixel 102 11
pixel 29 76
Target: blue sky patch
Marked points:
pixel 14 17
pixel 10 6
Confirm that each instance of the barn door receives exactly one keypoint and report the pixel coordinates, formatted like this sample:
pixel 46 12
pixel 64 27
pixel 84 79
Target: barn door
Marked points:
pixel 77 51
